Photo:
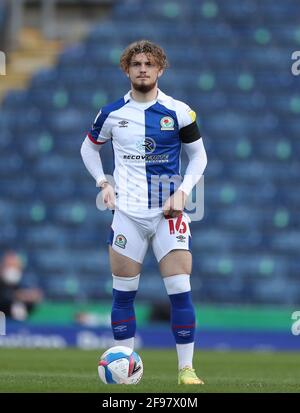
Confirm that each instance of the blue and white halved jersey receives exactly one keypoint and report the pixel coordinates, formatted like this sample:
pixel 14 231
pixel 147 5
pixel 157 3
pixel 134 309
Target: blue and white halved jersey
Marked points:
pixel 146 139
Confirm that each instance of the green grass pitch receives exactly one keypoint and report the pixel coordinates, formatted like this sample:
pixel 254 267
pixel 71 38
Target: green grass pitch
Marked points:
pixel 73 370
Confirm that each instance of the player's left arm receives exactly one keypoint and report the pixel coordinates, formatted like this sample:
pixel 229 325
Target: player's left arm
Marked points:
pixel 197 163
pixel 192 143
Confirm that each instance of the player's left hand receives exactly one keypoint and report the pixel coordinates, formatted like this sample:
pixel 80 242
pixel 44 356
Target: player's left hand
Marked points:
pixel 174 205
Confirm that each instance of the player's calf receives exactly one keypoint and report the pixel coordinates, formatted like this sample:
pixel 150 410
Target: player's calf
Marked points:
pixel 123 315
pixel 182 317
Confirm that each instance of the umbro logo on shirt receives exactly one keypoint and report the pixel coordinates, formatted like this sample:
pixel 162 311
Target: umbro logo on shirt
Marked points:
pixel 123 123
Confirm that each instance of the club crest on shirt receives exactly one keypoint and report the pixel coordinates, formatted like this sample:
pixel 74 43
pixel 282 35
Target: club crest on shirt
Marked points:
pixel 121 241
pixel 167 123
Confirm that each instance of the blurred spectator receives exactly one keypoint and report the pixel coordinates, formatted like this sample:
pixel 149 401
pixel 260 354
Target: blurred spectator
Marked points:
pixel 16 301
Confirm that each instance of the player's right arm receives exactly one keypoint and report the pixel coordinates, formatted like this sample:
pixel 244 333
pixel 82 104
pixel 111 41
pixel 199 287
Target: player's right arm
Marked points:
pixel 90 153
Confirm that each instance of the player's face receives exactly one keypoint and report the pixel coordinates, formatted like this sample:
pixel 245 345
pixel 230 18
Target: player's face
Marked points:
pixel 143 72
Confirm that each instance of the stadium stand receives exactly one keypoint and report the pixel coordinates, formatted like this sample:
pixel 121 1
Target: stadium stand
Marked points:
pixel 232 65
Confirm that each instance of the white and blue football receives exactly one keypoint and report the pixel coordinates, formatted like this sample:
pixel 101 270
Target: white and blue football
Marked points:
pixel 120 365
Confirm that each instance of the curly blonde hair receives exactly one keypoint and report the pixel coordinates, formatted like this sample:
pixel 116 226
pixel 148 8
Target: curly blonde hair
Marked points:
pixel 147 47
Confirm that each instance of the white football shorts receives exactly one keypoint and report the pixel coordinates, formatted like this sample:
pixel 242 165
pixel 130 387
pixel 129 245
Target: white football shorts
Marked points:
pixel 131 236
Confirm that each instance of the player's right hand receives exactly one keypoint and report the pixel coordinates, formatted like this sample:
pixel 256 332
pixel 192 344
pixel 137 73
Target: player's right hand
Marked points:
pixel 108 196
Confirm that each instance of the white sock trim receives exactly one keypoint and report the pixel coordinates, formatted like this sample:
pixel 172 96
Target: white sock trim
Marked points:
pixel 176 284
pixel 185 354
pixel 126 283
pixel 128 342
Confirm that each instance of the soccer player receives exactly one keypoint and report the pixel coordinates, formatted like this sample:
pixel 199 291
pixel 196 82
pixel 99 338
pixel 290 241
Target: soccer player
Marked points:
pixel 148 129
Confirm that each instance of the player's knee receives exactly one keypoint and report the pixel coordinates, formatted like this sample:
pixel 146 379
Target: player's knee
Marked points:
pixel 176 285
pixel 125 284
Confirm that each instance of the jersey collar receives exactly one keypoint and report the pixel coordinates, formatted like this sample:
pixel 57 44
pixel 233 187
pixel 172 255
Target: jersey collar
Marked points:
pixel 161 97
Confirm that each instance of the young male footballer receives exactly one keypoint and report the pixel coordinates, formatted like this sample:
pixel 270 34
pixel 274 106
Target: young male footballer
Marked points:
pixel 148 129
